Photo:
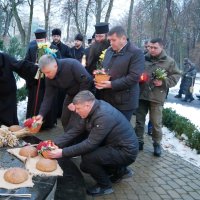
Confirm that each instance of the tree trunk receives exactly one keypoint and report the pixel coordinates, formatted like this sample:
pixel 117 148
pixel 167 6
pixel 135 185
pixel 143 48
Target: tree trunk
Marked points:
pixel 47 9
pixel 168 5
pixel 68 26
pixel 8 17
pixel 130 20
pixel 76 17
pixel 31 4
pixel 86 16
pixel 109 11
pixel 19 24
pixel 98 10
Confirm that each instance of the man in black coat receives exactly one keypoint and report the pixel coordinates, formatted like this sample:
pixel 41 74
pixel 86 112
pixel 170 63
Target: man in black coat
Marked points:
pixel 32 86
pixel 67 74
pixel 8 88
pixel 101 43
pixel 125 64
pixel 109 148
pixel 77 51
pixel 65 53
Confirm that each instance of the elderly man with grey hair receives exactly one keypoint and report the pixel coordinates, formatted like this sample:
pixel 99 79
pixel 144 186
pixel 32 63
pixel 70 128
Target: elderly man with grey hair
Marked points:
pixel 67 74
pixel 109 147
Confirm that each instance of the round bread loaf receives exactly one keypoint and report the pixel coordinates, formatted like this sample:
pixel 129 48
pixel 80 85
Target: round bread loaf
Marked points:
pixel 16 175
pixel 46 165
pixel 15 128
pixel 28 151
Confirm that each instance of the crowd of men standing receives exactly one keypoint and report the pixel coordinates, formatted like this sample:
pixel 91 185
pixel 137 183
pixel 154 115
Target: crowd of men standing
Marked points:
pixel 96 115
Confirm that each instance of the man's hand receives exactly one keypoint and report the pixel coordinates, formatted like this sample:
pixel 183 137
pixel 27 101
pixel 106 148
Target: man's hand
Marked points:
pixel 71 107
pixel 103 85
pixel 57 153
pixel 157 83
pixel 39 118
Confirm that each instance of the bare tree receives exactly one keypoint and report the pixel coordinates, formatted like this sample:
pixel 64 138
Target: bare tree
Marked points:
pixel 110 6
pixel 47 9
pixel 98 10
pixel 31 5
pixel 130 19
pixel 18 20
pixel 7 12
pixel 169 14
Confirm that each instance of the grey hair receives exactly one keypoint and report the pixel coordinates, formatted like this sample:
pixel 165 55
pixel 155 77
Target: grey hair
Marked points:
pixel 83 96
pixel 46 60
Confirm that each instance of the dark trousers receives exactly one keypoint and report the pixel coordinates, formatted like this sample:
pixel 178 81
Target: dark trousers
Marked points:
pixel 128 113
pixel 66 113
pixel 97 162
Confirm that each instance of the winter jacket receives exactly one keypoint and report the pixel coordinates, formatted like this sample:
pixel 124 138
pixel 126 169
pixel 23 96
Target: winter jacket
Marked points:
pixel 71 75
pixel 106 127
pixel 63 49
pixel 188 79
pixel 125 68
pixel 150 92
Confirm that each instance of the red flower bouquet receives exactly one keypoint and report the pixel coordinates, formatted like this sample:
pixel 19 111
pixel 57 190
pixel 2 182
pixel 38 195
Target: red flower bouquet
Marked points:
pixel 45 146
pixel 32 125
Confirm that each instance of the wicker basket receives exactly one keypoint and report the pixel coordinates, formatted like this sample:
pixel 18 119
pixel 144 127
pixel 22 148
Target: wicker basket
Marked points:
pixel 101 77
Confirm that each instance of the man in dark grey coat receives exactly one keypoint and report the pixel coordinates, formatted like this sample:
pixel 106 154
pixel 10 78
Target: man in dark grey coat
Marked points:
pixel 110 146
pixel 67 74
pixel 124 63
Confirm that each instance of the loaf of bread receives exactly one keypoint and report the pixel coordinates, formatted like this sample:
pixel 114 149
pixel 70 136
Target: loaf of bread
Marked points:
pixel 46 165
pixel 28 151
pixel 15 128
pixel 16 175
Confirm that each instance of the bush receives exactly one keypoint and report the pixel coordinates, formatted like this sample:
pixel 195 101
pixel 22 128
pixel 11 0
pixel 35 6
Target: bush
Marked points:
pixel 181 125
pixel 22 93
pixel 15 48
pixel 1 45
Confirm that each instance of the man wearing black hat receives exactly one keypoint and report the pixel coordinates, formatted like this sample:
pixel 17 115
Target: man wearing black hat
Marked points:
pixel 65 53
pixel 101 43
pixel 34 100
pixel 64 49
pixel 77 51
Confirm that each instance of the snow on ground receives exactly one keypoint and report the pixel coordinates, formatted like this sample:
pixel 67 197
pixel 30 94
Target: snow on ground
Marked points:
pixel 191 112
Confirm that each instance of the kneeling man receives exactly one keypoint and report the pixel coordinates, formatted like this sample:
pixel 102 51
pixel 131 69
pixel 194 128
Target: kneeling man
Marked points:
pixel 109 147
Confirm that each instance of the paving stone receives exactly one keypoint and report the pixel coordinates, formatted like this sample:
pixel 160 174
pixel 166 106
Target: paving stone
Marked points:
pixel 173 184
pixel 164 196
pixel 180 182
pixel 195 195
pixel 173 194
pixel 159 190
pixel 154 196
pixel 181 191
pixel 187 197
pixel 143 197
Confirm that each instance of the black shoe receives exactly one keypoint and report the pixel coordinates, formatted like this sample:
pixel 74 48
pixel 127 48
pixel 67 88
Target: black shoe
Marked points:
pixel 178 96
pixel 141 144
pixel 185 100
pixel 98 190
pixel 157 149
pixel 127 173
pixel 192 99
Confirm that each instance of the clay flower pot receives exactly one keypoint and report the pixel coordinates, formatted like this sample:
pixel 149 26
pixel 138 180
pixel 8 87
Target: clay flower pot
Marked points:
pixel 35 129
pixel 32 125
pixel 101 77
pixel 45 146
